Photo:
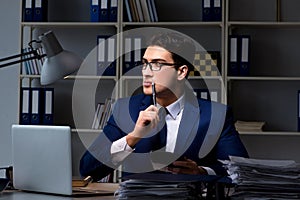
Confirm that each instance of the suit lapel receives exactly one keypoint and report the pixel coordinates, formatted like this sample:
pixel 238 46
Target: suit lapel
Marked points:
pixel 187 128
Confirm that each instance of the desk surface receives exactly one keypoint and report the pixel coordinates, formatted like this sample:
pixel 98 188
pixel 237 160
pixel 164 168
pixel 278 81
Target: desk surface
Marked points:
pixel 20 195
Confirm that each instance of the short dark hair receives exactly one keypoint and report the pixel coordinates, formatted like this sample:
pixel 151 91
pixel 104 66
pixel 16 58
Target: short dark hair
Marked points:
pixel 180 46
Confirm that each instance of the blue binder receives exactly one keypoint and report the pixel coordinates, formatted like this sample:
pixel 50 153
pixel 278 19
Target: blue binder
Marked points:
pixel 35 106
pixel 28 10
pixel 48 106
pixel 113 10
pixel 245 53
pixel 233 66
pixel 25 106
pixel 128 55
pixel 101 54
pixel 216 6
pixel 103 12
pixel 206 10
pixel 40 11
pixel 106 55
pixel 94 11
pixel 111 57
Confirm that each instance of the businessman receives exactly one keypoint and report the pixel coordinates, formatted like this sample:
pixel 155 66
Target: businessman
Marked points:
pixel 166 127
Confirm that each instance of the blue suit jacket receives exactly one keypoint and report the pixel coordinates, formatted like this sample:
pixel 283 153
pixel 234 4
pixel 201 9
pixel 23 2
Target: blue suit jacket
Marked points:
pixel 206 133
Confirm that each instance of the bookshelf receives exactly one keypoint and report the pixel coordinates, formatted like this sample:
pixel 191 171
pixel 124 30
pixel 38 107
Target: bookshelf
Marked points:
pixel 76 97
pixel 268 94
pixel 270 91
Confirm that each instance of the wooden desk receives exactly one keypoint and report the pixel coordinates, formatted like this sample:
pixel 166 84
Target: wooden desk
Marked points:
pixel 20 195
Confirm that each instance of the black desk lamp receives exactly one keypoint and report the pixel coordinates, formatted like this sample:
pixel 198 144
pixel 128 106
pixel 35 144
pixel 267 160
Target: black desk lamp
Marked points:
pixel 58 63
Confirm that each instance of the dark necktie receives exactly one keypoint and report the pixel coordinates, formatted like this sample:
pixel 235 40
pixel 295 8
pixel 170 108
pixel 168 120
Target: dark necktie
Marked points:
pixel 163 133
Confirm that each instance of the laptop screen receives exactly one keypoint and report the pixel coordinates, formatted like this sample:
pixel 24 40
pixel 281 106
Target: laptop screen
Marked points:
pixel 42 158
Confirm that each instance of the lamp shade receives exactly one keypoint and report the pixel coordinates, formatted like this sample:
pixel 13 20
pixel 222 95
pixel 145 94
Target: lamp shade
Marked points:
pixel 59 62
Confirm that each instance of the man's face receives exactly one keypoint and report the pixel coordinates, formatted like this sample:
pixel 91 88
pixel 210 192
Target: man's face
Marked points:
pixel 166 78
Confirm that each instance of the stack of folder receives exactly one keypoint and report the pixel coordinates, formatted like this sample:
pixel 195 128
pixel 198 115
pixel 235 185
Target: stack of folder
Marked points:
pixel 106 55
pixel 249 126
pixel 211 10
pixel 133 54
pixel 35 10
pixel 141 11
pixel 164 186
pixel 104 10
pixel 37 105
pixel 239 54
pixel 264 179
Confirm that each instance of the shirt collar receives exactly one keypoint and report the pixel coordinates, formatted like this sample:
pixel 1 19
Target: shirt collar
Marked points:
pixel 175 108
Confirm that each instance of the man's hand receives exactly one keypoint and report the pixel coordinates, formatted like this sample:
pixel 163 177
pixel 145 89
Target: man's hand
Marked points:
pixel 147 121
pixel 186 166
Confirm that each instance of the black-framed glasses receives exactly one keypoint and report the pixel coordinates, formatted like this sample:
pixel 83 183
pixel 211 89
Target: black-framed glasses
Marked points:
pixel 155 65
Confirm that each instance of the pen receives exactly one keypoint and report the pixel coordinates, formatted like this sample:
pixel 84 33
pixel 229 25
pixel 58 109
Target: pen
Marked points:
pixel 153 94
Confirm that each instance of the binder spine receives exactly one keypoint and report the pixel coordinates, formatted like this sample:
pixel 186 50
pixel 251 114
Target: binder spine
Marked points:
pixel 94 11
pixel 245 53
pixel 40 11
pixel 35 106
pixel 206 10
pixel 216 10
pixel 104 4
pixel 111 57
pixel 233 69
pixel 48 106
pixel 25 109
pixel 27 10
pixel 113 11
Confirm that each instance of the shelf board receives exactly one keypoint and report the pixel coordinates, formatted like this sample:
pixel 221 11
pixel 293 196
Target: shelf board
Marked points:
pixel 271 133
pixel 73 77
pixel 264 24
pixel 261 78
pixel 188 23
pixel 205 78
pixel 68 24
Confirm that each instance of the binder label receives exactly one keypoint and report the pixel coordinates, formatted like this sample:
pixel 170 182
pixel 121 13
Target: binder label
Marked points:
pixel 217 3
pixel 104 4
pixel 111 50
pixel 28 3
pixel 101 49
pixel 245 49
pixel 206 4
pixel 95 2
pixel 233 50
pixel 137 49
pixel 114 3
pixel 48 105
pixel 25 103
pixel 35 102
pixel 38 3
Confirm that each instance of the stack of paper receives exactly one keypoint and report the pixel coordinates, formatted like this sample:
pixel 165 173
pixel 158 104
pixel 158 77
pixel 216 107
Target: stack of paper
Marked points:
pixel 249 126
pixel 266 179
pixel 163 186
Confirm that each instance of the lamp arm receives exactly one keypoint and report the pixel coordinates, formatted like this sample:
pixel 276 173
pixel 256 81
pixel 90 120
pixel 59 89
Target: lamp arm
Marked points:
pixel 35 56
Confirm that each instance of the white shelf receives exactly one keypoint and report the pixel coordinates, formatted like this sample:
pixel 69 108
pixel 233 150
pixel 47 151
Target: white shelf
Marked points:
pixel 264 24
pixel 271 133
pixel 188 23
pixel 88 77
pixel 261 78
pixel 68 24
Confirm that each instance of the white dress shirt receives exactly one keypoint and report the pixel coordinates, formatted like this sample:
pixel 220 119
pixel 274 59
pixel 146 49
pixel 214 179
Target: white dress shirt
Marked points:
pixel 120 149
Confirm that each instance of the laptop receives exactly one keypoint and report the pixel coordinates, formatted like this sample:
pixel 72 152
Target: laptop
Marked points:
pixel 42 160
